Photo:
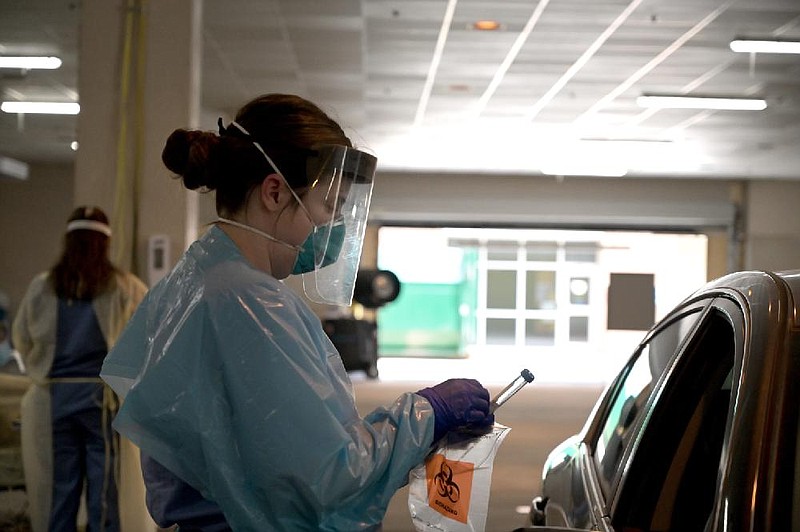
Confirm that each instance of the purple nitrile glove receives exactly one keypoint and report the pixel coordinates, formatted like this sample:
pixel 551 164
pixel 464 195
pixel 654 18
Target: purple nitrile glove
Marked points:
pixel 458 404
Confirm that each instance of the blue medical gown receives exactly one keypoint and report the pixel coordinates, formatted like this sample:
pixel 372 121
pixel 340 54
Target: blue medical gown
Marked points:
pixel 229 381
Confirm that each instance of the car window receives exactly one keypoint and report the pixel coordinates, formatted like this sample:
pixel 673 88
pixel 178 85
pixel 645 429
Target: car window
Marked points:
pixel 670 481
pixel 633 389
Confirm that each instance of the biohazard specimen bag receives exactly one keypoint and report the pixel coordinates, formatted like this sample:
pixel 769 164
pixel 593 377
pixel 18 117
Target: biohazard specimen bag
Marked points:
pixel 450 490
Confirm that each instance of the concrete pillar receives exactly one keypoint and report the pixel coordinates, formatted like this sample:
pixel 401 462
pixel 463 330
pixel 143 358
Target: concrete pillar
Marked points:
pixel 717 263
pixel 172 89
pixel 98 87
pixel 139 80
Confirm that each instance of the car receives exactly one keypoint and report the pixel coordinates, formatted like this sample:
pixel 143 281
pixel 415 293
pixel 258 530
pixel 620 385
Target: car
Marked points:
pixel 699 430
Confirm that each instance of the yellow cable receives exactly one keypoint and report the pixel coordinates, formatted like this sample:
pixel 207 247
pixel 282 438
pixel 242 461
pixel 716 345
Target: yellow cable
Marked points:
pixel 111 466
pixel 138 130
pixel 120 185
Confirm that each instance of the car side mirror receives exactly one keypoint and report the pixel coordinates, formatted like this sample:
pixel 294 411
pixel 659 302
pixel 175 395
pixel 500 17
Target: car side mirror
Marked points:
pixel 375 288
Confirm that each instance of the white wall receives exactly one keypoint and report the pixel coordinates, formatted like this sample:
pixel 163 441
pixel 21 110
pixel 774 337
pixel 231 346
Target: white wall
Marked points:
pixel 33 212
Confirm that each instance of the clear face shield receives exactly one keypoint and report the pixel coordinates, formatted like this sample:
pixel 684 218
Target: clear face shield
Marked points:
pixel 338 203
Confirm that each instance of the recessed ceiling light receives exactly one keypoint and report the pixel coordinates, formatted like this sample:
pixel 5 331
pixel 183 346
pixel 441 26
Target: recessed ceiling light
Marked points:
pixel 486 25
pixel 765 46
pixel 458 87
pixel 30 63
pixel 51 108
pixel 702 102
pixel 74 145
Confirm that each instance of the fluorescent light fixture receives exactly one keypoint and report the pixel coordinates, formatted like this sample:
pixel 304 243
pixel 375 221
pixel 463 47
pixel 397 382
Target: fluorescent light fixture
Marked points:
pixel 700 102
pixel 13 168
pixel 765 47
pixel 30 63
pixel 577 169
pixel 627 142
pixel 51 108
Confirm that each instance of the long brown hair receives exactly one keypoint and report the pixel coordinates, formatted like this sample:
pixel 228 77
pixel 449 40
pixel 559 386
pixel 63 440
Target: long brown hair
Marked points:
pixel 84 270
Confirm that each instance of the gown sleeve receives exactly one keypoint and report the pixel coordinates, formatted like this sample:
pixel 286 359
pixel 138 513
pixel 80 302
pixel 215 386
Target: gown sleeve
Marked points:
pixel 21 334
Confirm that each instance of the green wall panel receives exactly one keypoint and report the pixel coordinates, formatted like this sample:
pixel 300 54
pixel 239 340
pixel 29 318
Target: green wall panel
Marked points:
pixel 422 321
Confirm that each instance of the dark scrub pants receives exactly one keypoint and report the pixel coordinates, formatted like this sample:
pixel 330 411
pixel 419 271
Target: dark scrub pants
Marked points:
pixel 170 500
pixel 83 448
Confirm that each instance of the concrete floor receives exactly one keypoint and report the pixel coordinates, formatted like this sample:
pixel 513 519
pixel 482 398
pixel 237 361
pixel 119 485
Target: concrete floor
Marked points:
pixel 540 417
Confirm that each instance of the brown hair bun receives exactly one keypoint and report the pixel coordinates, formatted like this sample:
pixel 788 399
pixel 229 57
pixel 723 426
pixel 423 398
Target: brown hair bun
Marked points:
pixel 188 153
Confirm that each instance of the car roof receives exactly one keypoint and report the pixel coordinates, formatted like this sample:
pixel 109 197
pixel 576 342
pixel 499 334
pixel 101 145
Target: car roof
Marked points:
pixel 758 288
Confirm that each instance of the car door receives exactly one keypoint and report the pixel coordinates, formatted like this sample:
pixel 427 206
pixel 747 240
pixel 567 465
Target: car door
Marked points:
pixel 668 477
pixel 580 483
pixel 614 433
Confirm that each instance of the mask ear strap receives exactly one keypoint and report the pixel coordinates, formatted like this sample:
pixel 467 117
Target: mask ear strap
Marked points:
pixel 258 232
pixel 242 130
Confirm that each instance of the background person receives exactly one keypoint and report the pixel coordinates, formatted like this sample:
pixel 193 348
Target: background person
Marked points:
pixel 66 322
pixel 236 396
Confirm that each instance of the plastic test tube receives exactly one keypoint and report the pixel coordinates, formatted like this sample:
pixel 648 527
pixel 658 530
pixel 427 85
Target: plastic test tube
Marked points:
pixel 516 385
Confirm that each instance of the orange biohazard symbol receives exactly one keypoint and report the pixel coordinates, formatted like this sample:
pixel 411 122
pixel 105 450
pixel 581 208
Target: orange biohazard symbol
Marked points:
pixel 449 486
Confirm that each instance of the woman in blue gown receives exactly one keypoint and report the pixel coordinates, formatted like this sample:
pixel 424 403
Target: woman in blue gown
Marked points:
pixel 238 400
